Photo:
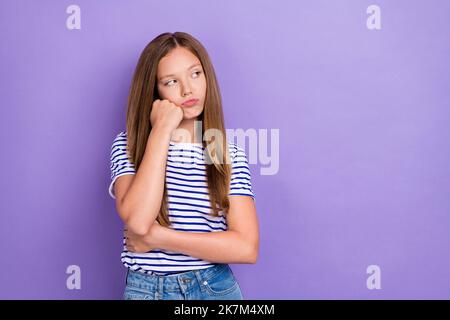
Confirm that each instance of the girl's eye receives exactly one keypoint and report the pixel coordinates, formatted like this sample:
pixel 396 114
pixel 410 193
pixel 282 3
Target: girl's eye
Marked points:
pixel 196 72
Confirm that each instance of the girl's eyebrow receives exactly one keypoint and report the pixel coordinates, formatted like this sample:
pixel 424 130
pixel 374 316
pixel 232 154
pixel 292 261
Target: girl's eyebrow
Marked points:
pixel 171 75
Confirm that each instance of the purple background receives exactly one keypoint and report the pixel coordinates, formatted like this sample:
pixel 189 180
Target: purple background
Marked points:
pixel 364 140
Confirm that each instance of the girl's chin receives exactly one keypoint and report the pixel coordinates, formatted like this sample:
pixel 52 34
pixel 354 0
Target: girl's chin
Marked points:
pixel 189 115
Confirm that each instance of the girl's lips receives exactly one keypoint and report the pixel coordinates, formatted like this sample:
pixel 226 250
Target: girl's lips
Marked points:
pixel 190 102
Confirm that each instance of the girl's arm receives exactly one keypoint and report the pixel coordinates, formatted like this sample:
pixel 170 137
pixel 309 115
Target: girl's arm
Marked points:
pixel 239 244
pixel 218 247
pixel 140 205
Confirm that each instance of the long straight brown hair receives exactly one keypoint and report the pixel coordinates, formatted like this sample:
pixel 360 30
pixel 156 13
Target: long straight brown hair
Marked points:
pixel 143 91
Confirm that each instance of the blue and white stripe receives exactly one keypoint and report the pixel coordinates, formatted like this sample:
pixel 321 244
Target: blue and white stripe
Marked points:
pixel 188 200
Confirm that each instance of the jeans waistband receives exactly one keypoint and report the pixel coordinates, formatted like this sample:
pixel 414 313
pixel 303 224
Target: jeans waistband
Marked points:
pixel 139 279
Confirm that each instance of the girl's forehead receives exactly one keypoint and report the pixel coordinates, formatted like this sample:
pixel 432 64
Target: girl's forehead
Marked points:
pixel 176 63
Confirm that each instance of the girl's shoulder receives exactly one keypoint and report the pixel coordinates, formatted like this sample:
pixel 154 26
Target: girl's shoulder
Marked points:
pixel 120 138
pixel 235 150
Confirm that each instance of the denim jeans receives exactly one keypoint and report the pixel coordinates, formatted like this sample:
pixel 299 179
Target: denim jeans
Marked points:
pixel 213 283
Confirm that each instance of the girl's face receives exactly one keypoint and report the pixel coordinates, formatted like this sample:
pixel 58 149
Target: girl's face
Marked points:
pixel 180 77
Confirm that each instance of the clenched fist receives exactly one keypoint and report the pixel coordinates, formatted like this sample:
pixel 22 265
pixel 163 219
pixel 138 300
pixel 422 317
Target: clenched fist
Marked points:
pixel 165 114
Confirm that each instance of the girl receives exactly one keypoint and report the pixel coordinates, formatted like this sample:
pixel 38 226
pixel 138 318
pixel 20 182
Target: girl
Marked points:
pixel 188 206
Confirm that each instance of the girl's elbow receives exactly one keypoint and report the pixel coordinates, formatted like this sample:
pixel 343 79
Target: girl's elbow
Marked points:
pixel 252 256
pixel 137 228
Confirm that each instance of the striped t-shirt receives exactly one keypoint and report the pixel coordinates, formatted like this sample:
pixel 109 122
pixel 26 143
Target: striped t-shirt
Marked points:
pixel 188 200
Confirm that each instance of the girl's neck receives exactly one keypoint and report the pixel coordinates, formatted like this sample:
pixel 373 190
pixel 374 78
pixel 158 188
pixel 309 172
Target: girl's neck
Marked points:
pixel 185 132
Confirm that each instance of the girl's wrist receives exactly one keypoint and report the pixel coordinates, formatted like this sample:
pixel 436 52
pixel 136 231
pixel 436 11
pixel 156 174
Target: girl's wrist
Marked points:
pixel 160 236
pixel 165 131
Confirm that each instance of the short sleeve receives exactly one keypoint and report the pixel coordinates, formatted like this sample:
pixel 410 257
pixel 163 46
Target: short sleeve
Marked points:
pixel 120 164
pixel 240 184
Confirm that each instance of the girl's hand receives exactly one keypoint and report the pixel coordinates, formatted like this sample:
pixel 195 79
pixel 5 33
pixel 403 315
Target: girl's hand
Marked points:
pixel 142 244
pixel 166 114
